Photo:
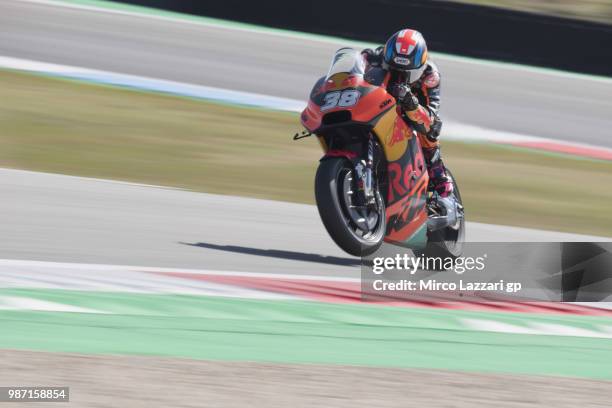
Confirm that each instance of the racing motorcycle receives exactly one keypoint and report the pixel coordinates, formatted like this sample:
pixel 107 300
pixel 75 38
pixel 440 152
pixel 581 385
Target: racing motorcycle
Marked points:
pixel 372 183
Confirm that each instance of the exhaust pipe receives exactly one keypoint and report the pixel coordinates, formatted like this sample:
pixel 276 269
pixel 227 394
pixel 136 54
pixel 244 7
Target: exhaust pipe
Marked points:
pixel 452 218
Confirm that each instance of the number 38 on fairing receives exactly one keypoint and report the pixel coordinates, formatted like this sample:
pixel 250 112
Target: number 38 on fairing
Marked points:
pixel 371 184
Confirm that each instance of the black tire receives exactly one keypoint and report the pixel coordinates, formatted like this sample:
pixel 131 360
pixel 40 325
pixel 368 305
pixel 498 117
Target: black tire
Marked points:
pixel 333 209
pixel 447 242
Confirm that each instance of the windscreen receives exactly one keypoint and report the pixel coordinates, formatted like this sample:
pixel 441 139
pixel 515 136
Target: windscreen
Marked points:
pixel 346 60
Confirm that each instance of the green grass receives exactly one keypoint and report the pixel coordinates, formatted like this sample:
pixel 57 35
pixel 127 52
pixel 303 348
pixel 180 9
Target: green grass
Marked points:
pixel 74 128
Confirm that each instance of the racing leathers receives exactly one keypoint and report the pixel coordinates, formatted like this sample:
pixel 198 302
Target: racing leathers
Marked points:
pixel 420 102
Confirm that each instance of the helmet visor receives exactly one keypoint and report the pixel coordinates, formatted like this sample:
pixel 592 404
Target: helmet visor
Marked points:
pixel 413 75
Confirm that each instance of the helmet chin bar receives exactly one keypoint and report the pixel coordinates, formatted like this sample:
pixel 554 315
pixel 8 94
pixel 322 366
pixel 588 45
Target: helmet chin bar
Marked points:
pixel 408 75
pixel 413 75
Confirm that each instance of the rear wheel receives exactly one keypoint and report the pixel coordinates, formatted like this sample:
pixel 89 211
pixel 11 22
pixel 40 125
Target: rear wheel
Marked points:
pixel 357 229
pixel 447 242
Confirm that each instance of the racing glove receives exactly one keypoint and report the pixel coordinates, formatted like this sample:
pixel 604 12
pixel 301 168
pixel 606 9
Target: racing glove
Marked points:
pixel 416 114
pixel 407 100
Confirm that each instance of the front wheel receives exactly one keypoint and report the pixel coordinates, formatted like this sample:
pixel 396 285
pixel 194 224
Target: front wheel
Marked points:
pixel 357 229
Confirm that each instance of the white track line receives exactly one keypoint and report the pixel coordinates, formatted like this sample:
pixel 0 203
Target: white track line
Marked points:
pixel 153 84
pixel 452 130
pixel 101 180
pixel 25 303
pixel 15 274
pixel 536 328
pixel 5 264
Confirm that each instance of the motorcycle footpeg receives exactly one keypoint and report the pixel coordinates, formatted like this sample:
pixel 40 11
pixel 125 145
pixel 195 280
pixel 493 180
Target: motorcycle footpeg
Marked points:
pixel 453 213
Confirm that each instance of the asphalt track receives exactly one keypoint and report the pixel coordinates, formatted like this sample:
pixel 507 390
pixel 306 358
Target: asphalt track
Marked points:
pixel 47 217
pixel 68 219
pixel 495 96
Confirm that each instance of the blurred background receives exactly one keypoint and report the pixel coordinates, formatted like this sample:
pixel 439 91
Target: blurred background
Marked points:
pixel 596 10
pixel 160 245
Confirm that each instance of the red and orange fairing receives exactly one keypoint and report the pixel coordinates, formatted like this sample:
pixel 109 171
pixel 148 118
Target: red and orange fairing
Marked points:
pixel 407 184
pixel 372 102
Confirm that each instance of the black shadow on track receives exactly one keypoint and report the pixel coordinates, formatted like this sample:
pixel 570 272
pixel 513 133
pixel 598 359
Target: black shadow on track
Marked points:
pixel 277 253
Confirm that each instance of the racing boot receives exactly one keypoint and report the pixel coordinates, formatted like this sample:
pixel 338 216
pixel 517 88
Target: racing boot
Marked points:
pixel 439 181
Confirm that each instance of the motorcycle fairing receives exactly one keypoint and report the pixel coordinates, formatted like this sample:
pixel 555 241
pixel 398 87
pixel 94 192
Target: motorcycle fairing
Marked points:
pixel 376 112
pixel 408 179
pixel 372 102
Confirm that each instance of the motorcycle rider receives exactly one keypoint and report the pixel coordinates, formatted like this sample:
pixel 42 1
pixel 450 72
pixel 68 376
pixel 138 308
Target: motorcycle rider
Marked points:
pixel 415 83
